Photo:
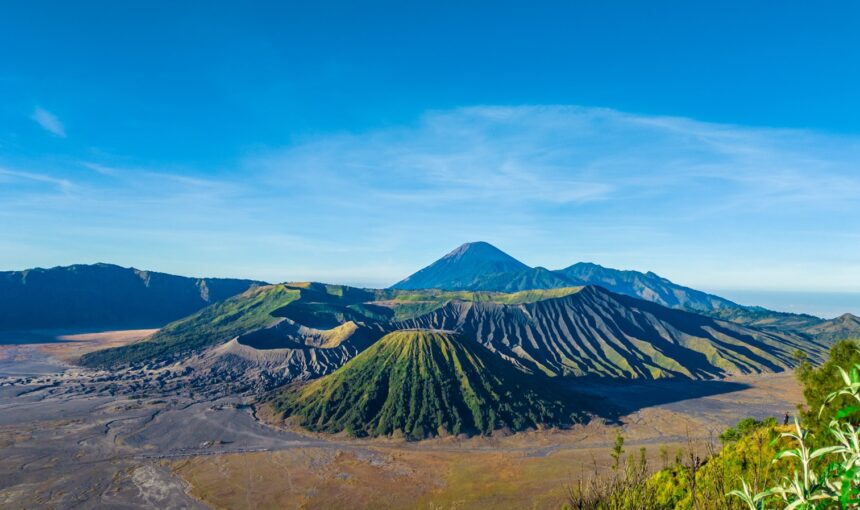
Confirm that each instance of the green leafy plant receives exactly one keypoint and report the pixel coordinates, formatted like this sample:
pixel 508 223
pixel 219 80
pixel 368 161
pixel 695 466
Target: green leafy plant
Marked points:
pixel 824 477
pixel 617 450
pixel 744 427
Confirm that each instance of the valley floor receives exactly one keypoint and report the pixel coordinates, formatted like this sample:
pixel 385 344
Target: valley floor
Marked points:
pixel 71 441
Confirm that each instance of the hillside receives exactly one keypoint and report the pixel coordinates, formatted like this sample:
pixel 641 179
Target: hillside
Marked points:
pixel 290 316
pixel 526 279
pixel 413 303
pixel 595 332
pixel 104 296
pixel 423 383
pixel 213 325
pixel 284 332
pixel 842 327
pixel 258 308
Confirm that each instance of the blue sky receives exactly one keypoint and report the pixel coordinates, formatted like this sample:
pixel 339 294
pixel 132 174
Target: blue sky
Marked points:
pixel 717 145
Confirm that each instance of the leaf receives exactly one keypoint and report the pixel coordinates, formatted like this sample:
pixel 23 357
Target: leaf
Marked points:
pixel 846 411
pixel 845 376
pixel 824 451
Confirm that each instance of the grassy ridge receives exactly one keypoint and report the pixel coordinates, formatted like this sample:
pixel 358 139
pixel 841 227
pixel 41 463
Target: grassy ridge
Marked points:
pixel 212 325
pixel 311 304
pixel 423 383
pixel 408 304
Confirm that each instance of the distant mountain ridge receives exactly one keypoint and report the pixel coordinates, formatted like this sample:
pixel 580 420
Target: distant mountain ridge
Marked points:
pixel 105 296
pixel 449 273
pixel 845 326
pixel 465 268
pixel 648 286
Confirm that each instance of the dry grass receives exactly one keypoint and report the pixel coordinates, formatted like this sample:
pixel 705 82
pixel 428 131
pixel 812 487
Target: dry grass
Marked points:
pixel 521 471
pixel 381 478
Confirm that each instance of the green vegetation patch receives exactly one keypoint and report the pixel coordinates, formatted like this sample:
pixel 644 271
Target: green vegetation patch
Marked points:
pixel 408 304
pixel 422 383
pixel 212 325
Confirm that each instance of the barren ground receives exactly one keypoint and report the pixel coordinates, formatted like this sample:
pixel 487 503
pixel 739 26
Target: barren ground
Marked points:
pixel 71 438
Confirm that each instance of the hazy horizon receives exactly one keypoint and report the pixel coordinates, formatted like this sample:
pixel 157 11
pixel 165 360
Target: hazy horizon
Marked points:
pixel 827 305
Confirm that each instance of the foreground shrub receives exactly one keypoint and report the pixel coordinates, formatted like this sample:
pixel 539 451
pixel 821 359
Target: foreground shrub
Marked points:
pixel 825 477
pixel 814 464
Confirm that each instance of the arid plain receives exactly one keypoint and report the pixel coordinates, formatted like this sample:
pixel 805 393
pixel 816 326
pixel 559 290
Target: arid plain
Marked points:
pixel 76 438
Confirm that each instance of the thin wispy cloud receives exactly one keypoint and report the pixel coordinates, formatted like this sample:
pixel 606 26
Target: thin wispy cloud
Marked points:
pixel 569 155
pixel 704 204
pixel 49 122
pixel 12 176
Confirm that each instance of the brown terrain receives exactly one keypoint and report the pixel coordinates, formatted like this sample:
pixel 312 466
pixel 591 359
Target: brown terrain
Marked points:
pixel 156 436
pixel 526 470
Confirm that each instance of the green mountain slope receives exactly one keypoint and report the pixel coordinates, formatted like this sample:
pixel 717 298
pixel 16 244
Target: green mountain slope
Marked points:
pixel 595 332
pixel 424 383
pixel 527 279
pixel 216 324
pixel 407 304
pixel 578 331
pixel 314 305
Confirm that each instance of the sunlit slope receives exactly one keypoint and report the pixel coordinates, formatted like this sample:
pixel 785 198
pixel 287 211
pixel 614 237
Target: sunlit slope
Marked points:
pixel 423 383
pixel 843 327
pixel 596 332
pixel 407 304
pixel 213 325
pixel 577 331
pixel 259 315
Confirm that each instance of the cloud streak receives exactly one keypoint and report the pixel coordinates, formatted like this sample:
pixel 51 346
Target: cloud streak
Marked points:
pixel 29 177
pixel 704 204
pixel 571 155
pixel 49 122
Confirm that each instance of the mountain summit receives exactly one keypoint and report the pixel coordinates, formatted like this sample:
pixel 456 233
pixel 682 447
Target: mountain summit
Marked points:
pixel 484 252
pixel 466 268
